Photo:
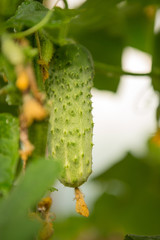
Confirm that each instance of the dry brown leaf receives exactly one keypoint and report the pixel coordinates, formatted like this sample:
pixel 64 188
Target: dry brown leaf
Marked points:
pixel 27 147
pixel 26 152
pixel 44 67
pixel 47 231
pixel 33 110
pixel 81 206
pixel 45 204
pixel 33 83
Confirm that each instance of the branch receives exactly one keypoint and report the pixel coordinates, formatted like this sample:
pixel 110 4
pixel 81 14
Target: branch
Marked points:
pixel 111 70
pixel 34 28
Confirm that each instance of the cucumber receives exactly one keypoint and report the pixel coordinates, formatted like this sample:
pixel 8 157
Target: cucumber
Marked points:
pixel 71 125
pixel 47 48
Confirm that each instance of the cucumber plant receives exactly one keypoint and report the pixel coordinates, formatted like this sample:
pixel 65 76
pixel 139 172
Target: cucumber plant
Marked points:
pixel 41 64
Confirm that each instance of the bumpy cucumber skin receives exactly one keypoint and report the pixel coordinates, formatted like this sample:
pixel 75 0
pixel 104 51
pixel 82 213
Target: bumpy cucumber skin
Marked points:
pixel 71 124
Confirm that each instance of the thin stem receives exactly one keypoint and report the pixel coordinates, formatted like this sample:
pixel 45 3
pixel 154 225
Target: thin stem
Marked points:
pixel 38 44
pixel 66 4
pixel 110 70
pixel 35 27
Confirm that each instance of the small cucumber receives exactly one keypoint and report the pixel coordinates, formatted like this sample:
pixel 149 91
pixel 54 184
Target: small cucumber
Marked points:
pixel 47 48
pixel 71 124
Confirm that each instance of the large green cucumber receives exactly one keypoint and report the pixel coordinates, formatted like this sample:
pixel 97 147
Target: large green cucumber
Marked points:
pixel 71 125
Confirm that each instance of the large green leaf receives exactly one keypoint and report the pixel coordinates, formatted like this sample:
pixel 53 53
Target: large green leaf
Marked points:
pixel 73 226
pixel 106 49
pixel 139 26
pixel 8 7
pixel 99 28
pixel 130 202
pixel 14 211
pixel 9 146
pixel 106 27
pixel 32 12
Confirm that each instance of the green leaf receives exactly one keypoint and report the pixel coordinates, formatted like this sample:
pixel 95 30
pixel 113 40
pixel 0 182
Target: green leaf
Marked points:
pixel 139 26
pixel 106 27
pixel 130 201
pixel 31 12
pixel 73 227
pixel 7 69
pixel 9 142
pixel 94 29
pixel 28 14
pixel 127 165
pixel 105 49
pixel 136 237
pixel 13 96
pixel 98 14
pixel 8 7
pixel 14 211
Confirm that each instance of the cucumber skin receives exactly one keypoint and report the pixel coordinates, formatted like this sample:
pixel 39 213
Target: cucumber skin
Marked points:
pixel 71 125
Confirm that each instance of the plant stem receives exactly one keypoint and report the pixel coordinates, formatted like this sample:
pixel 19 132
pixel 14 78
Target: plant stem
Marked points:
pixel 110 70
pixel 38 44
pixel 35 27
pixel 66 4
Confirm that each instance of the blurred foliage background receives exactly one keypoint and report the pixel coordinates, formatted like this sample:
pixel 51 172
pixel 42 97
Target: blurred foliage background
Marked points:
pixel 130 198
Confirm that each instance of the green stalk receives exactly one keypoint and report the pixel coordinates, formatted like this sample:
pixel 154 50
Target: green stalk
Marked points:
pixel 66 4
pixel 35 27
pixel 112 70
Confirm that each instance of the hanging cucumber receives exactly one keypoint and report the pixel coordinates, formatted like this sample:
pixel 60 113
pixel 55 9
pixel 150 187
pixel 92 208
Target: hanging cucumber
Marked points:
pixel 71 124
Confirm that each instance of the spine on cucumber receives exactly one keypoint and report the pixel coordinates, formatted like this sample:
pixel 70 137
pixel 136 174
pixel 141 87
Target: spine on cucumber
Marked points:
pixel 71 125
